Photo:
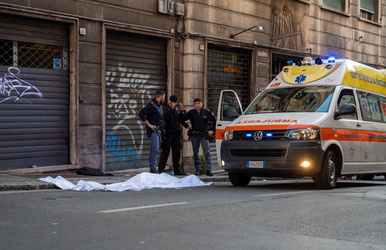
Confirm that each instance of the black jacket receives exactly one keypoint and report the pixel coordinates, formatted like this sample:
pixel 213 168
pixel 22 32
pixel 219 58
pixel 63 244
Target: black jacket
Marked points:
pixel 173 119
pixel 152 112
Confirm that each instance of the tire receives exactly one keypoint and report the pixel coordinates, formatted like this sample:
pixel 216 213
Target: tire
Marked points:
pixel 239 179
pixel 326 179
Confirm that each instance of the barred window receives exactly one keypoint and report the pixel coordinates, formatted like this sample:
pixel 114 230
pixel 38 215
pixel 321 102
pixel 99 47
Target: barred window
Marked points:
pixel 33 55
pixel 368 9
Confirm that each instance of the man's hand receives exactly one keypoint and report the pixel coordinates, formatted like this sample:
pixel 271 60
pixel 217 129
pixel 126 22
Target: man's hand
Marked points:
pixel 152 127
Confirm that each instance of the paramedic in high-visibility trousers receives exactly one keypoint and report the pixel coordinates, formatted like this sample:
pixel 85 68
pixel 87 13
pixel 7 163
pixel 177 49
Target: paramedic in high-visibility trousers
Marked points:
pixel 199 133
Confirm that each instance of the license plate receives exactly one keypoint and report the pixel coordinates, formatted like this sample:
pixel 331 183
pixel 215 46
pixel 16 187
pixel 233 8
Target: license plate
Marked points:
pixel 256 164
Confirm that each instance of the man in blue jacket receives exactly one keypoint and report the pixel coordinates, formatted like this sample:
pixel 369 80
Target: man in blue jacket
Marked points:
pixel 200 132
pixel 152 116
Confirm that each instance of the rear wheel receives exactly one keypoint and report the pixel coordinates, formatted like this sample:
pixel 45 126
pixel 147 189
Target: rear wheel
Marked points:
pixel 326 179
pixel 239 179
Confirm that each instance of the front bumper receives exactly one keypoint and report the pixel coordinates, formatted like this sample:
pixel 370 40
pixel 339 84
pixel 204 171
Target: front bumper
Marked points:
pixel 281 158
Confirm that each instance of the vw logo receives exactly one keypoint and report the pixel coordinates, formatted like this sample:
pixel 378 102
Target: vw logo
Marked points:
pixel 258 135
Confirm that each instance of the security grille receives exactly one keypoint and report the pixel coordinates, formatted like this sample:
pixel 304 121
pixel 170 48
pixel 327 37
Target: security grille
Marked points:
pixel 33 55
pixel 228 68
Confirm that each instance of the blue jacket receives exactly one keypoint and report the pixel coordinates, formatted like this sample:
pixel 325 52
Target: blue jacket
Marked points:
pixel 200 120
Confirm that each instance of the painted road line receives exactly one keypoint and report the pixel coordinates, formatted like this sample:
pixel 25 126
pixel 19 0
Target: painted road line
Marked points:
pixel 142 207
pixel 287 193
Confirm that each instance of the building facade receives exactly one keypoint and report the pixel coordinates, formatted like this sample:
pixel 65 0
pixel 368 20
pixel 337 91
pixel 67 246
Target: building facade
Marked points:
pixel 75 73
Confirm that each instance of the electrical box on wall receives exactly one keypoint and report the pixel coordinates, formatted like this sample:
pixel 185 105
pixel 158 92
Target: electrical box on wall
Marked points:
pixel 179 9
pixel 166 6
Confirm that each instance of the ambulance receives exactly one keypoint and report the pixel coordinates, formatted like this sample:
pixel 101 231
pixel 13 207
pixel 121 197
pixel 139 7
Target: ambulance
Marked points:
pixel 322 119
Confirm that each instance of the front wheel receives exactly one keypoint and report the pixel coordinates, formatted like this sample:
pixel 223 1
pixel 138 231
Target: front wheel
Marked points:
pixel 326 179
pixel 239 179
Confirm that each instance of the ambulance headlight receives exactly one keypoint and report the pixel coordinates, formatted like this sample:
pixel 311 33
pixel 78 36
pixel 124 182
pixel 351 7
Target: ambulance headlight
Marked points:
pixel 303 134
pixel 228 135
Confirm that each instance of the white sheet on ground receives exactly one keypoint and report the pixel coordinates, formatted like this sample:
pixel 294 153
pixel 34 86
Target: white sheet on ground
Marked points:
pixel 136 183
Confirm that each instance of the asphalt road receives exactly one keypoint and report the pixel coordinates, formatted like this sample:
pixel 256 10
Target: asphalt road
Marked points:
pixel 289 214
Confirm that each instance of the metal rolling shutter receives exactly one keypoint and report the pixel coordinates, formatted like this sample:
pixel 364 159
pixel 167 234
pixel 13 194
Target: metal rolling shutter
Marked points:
pixel 228 68
pixel 34 97
pixel 135 70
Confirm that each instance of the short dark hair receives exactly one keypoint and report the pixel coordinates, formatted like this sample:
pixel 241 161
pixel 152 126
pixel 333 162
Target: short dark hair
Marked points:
pixel 159 93
pixel 197 100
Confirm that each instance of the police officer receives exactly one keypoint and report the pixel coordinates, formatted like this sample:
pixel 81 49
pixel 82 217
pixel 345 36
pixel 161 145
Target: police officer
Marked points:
pixel 199 134
pixel 174 115
pixel 152 115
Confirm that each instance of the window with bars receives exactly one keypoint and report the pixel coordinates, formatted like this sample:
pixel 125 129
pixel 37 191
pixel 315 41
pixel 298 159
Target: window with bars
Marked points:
pixel 368 9
pixel 227 68
pixel 33 55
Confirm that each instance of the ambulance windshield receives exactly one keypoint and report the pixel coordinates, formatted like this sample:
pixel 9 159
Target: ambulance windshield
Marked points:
pixel 296 99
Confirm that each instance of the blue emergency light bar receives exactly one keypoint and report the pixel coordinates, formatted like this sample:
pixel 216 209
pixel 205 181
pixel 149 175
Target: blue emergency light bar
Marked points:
pixel 331 59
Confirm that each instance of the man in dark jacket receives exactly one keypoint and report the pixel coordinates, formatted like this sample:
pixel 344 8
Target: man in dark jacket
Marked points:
pixel 200 133
pixel 174 114
pixel 152 115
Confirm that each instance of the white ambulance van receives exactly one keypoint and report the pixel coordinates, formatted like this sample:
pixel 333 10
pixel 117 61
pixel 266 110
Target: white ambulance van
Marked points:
pixel 322 119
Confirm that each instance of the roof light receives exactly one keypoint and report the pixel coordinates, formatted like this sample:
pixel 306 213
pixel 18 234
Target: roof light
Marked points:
pixel 290 63
pixel 318 61
pixel 307 61
pixel 331 59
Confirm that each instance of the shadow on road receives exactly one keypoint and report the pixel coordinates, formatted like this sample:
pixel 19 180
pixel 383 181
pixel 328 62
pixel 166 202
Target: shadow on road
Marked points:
pixel 296 185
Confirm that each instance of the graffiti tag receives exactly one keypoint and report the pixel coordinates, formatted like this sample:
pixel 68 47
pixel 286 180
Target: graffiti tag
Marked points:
pixel 13 87
pixel 127 92
pixel 119 149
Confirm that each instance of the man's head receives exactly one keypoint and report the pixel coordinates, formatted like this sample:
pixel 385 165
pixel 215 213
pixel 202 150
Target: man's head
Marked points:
pixel 173 101
pixel 197 103
pixel 160 96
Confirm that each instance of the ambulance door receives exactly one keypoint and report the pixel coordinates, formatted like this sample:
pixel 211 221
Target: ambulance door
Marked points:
pixel 350 134
pixel 373 155
pixel 229 108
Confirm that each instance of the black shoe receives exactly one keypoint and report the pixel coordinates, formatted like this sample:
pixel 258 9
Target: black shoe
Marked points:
pixel 198 172
pixel 179 172
pixel 153 171
pixel 209 173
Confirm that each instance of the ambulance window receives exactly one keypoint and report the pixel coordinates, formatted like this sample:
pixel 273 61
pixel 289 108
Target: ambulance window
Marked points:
pixel 293 99
pixel 383 108
pixel 372 107
pixel 346 97
pixel 230 108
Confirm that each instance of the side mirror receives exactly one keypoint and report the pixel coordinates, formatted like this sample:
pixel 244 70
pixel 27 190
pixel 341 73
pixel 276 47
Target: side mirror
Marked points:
pixel 346 109
pixel 230 114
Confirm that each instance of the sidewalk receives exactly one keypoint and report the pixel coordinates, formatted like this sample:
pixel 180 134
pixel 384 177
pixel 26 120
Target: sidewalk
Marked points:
pixel 14 182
